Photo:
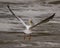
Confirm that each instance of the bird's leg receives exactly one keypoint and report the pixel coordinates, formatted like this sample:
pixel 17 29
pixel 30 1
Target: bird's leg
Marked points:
pixel 30 37
pixel 24 36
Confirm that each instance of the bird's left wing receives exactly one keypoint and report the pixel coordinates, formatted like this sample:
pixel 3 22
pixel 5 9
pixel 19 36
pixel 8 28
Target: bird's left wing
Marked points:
pixel 19 18
pixel 43 21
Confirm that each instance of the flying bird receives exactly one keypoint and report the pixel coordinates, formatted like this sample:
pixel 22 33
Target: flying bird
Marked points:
pixel 29 27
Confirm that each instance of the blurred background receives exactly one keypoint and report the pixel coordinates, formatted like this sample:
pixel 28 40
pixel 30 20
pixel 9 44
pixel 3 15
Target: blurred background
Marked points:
pixel 44 35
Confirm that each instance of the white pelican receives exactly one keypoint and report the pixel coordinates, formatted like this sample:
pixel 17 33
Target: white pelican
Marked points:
pixel 28 31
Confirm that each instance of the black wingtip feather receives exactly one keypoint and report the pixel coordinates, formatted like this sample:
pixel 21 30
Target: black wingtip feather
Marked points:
pixel 52 16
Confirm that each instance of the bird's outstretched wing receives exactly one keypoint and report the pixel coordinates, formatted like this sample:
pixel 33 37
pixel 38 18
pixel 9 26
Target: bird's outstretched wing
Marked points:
pixel 19 18
pixel 43 21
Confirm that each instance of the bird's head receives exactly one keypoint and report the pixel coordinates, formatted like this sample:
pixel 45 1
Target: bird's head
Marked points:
pixel 30 22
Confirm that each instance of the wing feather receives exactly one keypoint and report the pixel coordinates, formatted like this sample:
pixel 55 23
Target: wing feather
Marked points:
pixel 19 18
pixel 43 21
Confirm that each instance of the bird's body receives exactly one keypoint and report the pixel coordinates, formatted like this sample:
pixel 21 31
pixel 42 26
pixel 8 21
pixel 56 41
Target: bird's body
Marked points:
pixel 28 30
pixel 29 27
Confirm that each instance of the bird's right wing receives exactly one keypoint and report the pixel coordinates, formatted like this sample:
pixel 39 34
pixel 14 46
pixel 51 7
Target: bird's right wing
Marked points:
pixel 19 18
pixel 43 21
